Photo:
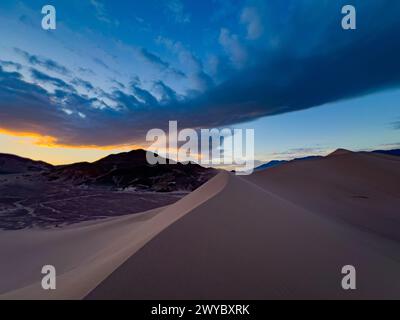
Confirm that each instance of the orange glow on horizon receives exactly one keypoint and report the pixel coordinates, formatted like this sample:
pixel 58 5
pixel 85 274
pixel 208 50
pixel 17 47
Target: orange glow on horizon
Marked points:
pixel 46 148
pixel 51 142
pixel 35 146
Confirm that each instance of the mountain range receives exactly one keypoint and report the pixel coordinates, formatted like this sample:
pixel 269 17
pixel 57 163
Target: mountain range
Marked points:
pixel 117 171
pixel 274 163
pixel 10 164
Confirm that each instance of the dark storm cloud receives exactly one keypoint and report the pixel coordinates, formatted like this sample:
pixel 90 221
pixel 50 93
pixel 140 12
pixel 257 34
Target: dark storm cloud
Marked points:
pixel 29 111
pixel 12 64
pixel 82 83
pixel 46 63
pixel 153 59
pixel 126 100
pixel 167 94
pixel 145 96
pixel 289 84
pixel 118 83
pixel 303 72
pixel 157 62
pixel 36 110
pixel 44 78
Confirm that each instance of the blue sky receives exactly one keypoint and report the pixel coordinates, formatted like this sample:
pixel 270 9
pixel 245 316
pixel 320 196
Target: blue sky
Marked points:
pixel 114 69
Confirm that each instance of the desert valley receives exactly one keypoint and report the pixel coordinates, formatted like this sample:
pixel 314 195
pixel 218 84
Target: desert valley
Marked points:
pixel 283 232
pixel 37 194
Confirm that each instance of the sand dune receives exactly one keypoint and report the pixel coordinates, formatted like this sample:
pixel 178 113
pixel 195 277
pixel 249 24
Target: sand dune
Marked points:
pixel 250 243
pixel 362 189
pixel 285 232
pixel 85 254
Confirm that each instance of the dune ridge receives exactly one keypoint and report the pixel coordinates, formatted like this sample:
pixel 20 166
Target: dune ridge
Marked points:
pixel 249 243
pixel 93 250
pixel 361 189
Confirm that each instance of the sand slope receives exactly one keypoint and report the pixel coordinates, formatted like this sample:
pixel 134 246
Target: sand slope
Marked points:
pixel 85 254
pixel 285 232
pixel 250 243
pixel 362 189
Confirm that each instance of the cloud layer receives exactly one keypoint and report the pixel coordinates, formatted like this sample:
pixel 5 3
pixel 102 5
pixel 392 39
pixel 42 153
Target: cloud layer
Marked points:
pixel 287 58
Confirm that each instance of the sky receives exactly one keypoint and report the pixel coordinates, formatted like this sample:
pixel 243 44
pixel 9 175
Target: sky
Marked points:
pixel 112 70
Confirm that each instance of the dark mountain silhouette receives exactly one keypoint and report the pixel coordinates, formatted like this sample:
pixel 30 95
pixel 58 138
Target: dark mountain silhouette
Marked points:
pixel 11 164
pixel 338 152
pixel 271 164
pixel 395 152
pixel 131 170
pixel 275 163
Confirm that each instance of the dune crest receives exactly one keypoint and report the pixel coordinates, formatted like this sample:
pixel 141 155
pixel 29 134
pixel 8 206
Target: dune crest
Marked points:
pixel 84 255
pixel 251 242
pixel 339 152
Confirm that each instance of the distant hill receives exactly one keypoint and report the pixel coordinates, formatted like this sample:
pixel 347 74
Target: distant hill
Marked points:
pixel 117 171
pixel 338 152
pixel 271 164
pixel 11 164
pixel 131 170
pixel 275 163
pixel 395 152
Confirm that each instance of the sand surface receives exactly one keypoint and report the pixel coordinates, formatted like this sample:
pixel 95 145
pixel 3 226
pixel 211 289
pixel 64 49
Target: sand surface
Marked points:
pixel 285 232
pixel 362 189
pixel 84 254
